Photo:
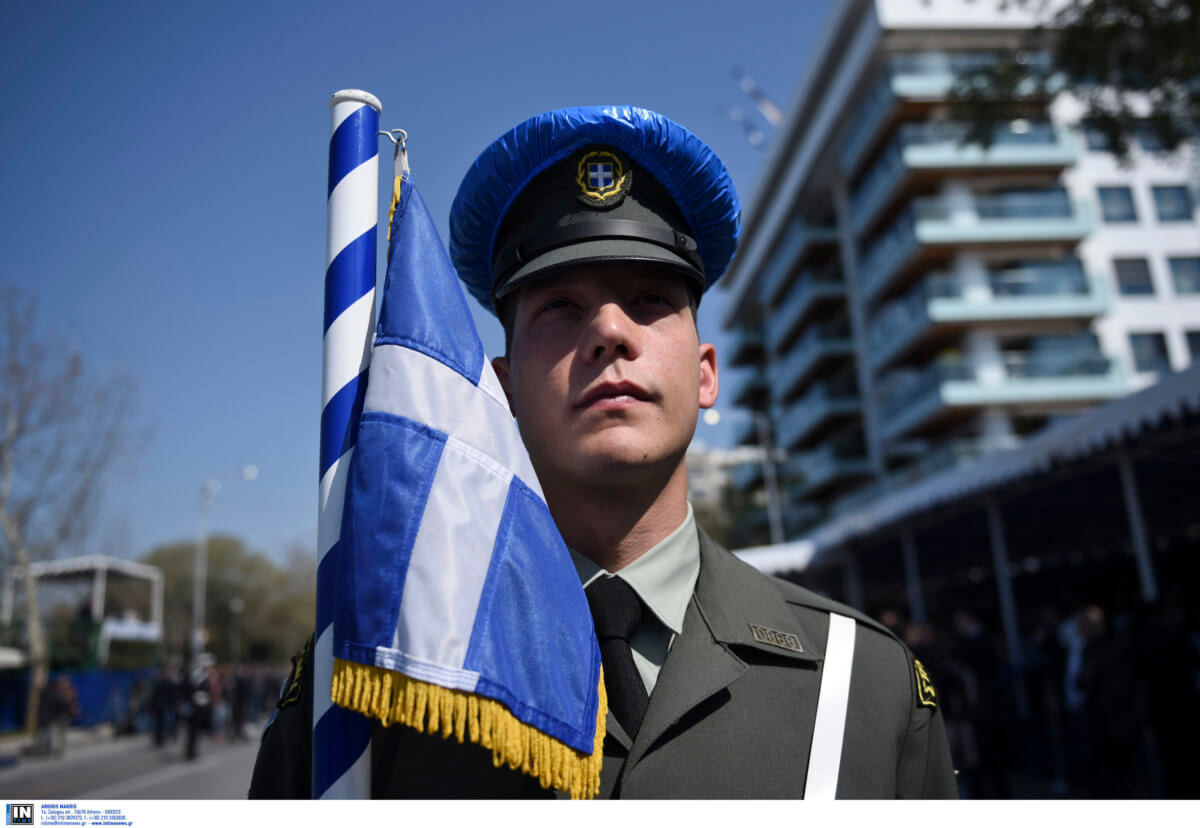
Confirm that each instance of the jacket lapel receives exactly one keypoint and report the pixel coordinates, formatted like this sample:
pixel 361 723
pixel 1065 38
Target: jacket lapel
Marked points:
pixel 731 598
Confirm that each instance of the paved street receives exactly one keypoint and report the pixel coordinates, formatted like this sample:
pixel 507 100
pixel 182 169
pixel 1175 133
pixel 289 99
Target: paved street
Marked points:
pixel 99 767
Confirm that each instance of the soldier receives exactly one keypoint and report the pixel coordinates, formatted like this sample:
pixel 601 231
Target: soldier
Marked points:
pixel 593 233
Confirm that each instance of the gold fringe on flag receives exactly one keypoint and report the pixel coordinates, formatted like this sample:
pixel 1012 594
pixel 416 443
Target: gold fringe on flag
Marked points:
pixel 395 201
pixel 428 708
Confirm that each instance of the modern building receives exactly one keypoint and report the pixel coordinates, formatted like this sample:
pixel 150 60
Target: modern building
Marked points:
pixel 903 302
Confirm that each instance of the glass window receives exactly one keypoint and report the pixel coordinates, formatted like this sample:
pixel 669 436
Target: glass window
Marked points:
pixel 1172 203
pixel 1193 343
pixel 1133 277
pixel 1149 139
pixel 1185 273
pixel 1149 352
pixel 1097 141
pixel 1116 204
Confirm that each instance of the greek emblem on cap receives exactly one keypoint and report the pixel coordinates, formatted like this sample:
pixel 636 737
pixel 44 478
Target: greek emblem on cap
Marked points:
pixel 926 695
pixel 602 178
pixel 782 640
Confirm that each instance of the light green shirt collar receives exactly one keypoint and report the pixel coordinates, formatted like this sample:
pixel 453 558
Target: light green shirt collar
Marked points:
pixel 664 577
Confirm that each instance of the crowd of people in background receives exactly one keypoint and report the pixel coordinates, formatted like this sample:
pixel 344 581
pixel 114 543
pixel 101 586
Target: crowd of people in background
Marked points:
pixel 1099 704
pixel 210 701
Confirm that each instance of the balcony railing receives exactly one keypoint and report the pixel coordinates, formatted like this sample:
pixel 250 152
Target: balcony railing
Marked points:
pixel 748 346
pixel 940 143
pixel 865 120
pixel 787 375
pixel 749 386
pixel 783 263
pixel 1020 216
pixel 1057 363
pixel 784 320
pixel 820 402
pixel 1028 289
pixel 914 74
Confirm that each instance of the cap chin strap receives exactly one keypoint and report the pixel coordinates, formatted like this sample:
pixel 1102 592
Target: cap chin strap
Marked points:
pixel 679 243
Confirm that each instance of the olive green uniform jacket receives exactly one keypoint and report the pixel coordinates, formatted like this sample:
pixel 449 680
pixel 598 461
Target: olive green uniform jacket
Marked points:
pixel 731 715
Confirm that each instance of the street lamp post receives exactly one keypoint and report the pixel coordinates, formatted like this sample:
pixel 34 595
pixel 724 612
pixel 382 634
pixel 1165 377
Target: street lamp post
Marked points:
pixel 208 491
pixel 770 478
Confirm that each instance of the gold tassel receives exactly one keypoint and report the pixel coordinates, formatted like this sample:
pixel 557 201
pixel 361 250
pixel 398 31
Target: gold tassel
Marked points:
pixel 429 708
pixel 395 201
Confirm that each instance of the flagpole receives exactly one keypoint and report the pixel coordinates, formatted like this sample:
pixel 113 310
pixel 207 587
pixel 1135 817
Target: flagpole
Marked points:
pixel 341 738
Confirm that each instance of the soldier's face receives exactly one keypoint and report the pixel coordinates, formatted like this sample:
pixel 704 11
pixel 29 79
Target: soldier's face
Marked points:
pixel 606 374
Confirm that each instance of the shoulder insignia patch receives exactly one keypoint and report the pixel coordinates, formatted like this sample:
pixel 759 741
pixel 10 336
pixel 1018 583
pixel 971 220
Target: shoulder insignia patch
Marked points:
pixel 782 640
pixel 926 695
pixel 291 688
pixel 602 179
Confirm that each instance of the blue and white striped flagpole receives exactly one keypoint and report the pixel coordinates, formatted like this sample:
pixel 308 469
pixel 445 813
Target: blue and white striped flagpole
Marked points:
pixel 341 759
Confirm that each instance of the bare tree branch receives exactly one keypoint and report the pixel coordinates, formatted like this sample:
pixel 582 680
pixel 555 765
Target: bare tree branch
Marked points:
pixel 62 433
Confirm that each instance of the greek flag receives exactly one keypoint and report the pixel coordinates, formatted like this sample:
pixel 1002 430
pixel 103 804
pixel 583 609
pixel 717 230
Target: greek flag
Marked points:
pixel 457 607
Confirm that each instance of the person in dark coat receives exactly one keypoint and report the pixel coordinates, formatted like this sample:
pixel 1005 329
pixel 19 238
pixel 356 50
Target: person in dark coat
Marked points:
pixel 593 233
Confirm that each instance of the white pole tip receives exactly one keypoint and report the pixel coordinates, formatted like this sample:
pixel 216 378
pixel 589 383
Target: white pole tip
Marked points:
pixel 357 96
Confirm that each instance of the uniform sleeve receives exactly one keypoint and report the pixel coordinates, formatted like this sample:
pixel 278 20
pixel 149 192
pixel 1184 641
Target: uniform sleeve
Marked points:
pixel 283 769
pixel 926 770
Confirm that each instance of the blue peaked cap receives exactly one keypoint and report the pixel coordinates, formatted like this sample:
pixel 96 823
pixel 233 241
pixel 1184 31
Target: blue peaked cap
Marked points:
pixel 686 168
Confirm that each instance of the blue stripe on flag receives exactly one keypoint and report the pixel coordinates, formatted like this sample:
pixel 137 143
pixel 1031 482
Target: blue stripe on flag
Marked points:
pixel 351 274
pixel 354 142
pixel 516 635
pixel 423 307
pixel 393 469
pixel 344 734
pixel 338 419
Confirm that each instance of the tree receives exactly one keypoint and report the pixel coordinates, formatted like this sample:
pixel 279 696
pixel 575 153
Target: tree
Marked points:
pixel 277 607
pixel 1134 65
pixel 60 433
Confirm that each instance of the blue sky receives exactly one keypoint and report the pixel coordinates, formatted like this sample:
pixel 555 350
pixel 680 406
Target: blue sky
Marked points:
pixel 165 175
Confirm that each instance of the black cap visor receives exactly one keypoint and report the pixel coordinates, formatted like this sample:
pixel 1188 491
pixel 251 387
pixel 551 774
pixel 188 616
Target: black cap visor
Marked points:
pixel 597 251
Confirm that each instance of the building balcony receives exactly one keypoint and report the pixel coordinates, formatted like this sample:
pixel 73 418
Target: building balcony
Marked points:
pixel 785 263
pixel 814 414
pixel 1049 379
pixel 815 349
pixel 749 389
pixel 908 77
pixel 806 298
pixel 826 469
pixel 1027 217
pixel 748 347
pixel 921 150
pixel 941 307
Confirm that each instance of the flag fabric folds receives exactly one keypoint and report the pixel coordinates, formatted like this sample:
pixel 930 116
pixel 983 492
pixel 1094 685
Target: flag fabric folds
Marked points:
pixel 457 607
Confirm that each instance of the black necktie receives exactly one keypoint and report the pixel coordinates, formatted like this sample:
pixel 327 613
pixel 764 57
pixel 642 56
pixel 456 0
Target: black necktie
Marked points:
pixel 617 612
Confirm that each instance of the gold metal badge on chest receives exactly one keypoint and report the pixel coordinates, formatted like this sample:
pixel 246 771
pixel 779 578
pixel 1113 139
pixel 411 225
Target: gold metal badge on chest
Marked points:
pixel 785 641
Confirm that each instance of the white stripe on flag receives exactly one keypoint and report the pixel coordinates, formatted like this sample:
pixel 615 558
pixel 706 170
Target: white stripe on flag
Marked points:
pixel 332 500
pixel 352 207
pixel 322 673
pixel 489 383
pixel 450 556
pixel 410 384
pixel 833 699
pixel 347 351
